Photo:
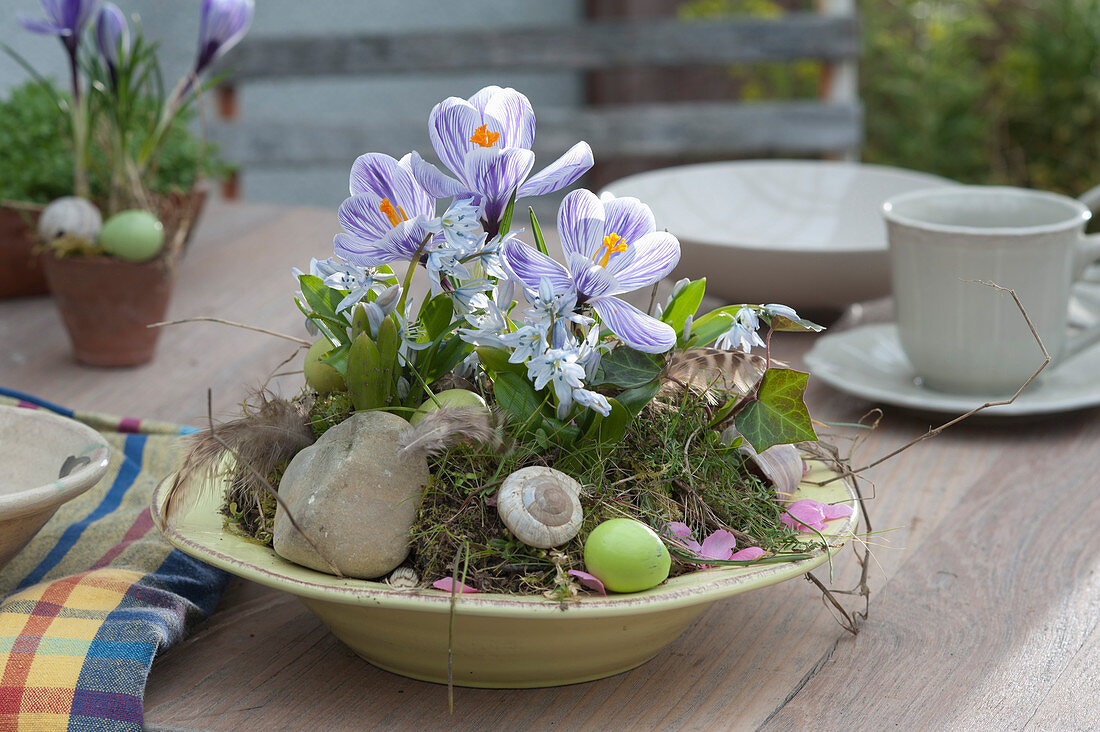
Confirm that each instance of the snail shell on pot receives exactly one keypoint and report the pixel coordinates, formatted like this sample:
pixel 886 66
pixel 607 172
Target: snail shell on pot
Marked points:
pixel 70 216
pixel 541 506
pixel 403 578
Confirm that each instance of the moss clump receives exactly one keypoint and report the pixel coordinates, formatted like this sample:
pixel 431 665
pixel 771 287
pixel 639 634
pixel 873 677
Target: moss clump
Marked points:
pixel 330 410
pixel 669 467
pixel 250 515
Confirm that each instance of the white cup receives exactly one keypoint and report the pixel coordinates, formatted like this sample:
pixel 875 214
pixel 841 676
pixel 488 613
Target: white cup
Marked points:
pixel 963 337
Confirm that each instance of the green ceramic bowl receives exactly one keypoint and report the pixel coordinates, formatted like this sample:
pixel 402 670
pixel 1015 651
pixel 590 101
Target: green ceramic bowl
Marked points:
pixel 500 641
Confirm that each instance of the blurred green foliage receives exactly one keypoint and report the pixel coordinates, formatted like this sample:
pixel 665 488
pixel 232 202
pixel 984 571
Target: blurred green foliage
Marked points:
pixel 37 161
pixel 981 91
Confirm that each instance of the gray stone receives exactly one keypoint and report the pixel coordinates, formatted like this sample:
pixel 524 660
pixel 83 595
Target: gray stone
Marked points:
pixel 353 496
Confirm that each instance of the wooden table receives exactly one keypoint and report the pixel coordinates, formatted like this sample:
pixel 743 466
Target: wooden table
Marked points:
pixel 986 572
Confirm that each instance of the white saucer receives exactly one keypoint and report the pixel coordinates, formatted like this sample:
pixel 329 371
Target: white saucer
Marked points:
pixel 868 361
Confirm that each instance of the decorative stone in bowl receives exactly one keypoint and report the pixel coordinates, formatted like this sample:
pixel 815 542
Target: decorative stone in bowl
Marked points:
pixel 499 641
pixel 47 460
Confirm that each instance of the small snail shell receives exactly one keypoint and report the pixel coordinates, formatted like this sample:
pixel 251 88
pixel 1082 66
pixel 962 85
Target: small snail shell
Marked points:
pixel 403 578
pixel 780 464
pixel 541 506
pixel 70 216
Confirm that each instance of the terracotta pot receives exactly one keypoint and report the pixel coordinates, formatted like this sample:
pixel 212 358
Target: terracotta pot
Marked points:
pixel 107 303
pixel 20 268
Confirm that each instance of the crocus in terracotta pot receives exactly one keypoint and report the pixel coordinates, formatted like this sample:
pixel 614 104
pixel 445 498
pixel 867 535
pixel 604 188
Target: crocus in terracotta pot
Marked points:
pixel 112 248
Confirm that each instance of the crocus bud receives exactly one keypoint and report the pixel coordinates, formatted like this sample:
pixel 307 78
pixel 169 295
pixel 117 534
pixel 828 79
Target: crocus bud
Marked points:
pixel 222 25
pixel 112 35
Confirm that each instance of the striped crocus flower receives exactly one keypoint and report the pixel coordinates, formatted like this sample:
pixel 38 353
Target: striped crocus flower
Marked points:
pixel 486 142
pixel 388 215
pixel 611 247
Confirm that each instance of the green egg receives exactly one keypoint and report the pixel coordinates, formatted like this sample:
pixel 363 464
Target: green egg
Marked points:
pixel 448 398
pixel 319 375
pixel 133 235
pixel 626 555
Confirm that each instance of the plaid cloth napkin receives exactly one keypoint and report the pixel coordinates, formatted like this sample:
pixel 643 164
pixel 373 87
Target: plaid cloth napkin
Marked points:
pixel 87 604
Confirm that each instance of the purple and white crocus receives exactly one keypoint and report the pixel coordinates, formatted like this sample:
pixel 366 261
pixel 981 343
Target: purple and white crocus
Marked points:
pixel 485 141
pixel 222 24
pixel 388 215
pixel 611 247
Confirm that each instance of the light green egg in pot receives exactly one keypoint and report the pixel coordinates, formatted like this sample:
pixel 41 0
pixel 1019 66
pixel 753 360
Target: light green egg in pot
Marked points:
pixel 626 555
pixel 134 235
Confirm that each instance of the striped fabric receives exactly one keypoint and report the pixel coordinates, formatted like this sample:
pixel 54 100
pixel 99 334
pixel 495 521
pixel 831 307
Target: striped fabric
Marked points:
pixel 97 593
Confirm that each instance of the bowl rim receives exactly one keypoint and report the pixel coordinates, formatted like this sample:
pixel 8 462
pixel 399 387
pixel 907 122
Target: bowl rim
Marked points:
pixel 928 180
pixel 193 533
pixel 37 498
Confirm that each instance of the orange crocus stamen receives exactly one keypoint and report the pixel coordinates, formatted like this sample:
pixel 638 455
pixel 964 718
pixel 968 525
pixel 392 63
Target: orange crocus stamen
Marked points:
pixel 483 137
pixel 612 243
pixel 395 215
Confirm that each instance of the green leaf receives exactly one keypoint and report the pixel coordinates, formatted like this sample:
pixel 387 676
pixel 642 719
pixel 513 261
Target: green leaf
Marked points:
pixel 626 368
pixel 436 315
pixel 388 342
pixel 364 366
pixel 778 414
pixel 444 357
pixel 495 360
pixel 506 220
pixel 518 397
pixel 635 399
pixel 321 298
pixel 337 358
pixel 359 321
pixel 536 230
pixel 685 303
pixel 610 430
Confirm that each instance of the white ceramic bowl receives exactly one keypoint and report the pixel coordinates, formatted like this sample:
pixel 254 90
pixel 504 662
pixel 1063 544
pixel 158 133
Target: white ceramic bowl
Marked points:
pixel 45 460
pixel 808 234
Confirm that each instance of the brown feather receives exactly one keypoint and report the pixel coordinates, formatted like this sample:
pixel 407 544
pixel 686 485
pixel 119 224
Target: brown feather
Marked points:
pixel 715 374
pixel 270 433
pixel 446 427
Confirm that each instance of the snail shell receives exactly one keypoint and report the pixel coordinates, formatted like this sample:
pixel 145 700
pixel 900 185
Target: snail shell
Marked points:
pixel 780 464
pixel 403 578
pixel 541 506
pixel 70 216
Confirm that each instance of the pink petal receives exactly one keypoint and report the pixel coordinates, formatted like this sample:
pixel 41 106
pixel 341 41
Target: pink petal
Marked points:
pixel 805 513
pixel 835 511
pixel 679 529
pixel 590 581
pixel 718 545
pixel 447 585
pixel 749 553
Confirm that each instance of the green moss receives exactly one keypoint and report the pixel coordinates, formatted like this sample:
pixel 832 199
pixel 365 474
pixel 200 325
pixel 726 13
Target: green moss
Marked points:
pixel 669 467
pixel 330 410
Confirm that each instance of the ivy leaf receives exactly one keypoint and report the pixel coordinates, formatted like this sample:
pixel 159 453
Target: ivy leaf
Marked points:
pixel 778 414
pixel 627 369
pixel 783 323
pixel 635 399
